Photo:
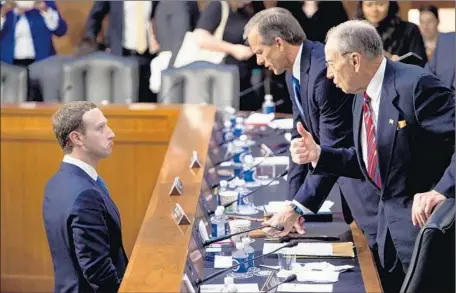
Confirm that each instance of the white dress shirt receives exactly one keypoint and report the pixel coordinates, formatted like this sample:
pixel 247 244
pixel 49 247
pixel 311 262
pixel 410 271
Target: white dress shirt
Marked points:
pixel 24 48
pixel 83 165
pixel 129 33
pixel 374 91
pixel 297 65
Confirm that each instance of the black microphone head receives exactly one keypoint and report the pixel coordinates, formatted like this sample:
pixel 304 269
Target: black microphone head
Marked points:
pixel 292 244
pixel 278 227
pixel 290 278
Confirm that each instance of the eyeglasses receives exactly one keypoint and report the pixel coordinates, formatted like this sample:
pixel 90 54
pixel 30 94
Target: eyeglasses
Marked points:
pixel 330 63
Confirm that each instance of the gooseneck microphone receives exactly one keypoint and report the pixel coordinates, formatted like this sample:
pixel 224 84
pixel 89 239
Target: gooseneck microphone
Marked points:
pixel 289 279
pixel 209 242
pixel 199 282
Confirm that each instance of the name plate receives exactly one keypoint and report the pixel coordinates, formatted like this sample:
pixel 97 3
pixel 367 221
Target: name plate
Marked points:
pixel 194 161
pixel 176 188
pixel 179 215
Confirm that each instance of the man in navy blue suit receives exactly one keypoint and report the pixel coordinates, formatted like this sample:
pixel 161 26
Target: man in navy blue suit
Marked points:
pixel 82 222
pixel 280 44
pixel 403 139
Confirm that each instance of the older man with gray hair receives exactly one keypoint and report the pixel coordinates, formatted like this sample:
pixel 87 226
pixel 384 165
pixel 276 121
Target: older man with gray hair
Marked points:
pixel 280 44
pixel 403 121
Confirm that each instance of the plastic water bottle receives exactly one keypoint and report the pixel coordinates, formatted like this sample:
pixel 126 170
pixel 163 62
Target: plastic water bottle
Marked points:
pixel 249 251
pixel 229 285
pixel 240 256
pixel 244 143
pixel 244 205
pixel 223 186
pixel 226 131
pixel 218 223
pixel 239 127
pixel 248 171
pixel 268 105
pixel 238 158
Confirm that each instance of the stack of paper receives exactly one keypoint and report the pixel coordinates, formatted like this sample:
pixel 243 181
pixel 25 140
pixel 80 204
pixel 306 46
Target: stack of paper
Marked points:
pixel 276 206
pixel 259 119
pixel 282 123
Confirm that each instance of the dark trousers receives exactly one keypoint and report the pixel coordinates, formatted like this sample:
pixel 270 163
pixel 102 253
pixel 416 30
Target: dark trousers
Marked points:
pixel 25 63
pixel 391 274
pixel 145 95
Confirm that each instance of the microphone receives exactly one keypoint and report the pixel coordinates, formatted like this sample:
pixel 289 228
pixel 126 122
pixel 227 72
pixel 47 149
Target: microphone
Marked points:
pixel 253 191
pixel 209 242
pixel 289 279
pixel 283 150
pixel 216 274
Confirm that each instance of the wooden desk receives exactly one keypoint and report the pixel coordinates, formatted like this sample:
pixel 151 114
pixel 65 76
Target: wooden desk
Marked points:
pixel 30 155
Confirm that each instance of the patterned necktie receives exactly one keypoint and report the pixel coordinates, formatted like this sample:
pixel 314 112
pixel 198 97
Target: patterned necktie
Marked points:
pixel 141 29
pixel 372 160
pixel 297 95
pixel 102 184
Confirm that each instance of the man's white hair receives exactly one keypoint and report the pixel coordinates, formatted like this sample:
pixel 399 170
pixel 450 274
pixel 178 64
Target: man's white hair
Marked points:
pixel 356 36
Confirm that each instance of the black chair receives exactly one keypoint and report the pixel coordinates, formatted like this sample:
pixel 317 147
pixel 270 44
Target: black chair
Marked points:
pixel 432 267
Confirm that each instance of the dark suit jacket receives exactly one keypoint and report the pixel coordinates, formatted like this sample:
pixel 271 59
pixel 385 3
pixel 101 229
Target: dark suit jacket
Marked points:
pixel 83 230
pixel 114 35
pixel 442 63
pixel 328 117
pixel 412 159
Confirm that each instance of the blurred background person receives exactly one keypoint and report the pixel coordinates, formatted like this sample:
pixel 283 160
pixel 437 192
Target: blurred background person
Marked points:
pixel 131 32
pixel 27 28
pixel 232 44
pixel 399 37
pixel 429 22
pixel 443 60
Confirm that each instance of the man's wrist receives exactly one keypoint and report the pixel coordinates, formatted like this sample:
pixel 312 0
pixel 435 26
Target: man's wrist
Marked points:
pixel 297 208
pixel 314 163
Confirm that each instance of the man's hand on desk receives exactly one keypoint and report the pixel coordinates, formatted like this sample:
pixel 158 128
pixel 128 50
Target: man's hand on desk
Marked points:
pixel 423 204
pixel 304 150
pixel 289 219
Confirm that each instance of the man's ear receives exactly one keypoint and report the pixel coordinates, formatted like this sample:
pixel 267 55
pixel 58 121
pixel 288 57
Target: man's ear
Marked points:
pixel 75 137
pixel 355 60
pixel 279 43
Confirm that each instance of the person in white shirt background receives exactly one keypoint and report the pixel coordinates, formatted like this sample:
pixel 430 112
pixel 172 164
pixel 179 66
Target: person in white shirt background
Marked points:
pixel 27 28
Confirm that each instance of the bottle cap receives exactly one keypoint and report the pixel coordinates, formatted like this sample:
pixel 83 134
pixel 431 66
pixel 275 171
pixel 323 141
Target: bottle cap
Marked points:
pixel 239 245
pixel 246 241
pixel 268 97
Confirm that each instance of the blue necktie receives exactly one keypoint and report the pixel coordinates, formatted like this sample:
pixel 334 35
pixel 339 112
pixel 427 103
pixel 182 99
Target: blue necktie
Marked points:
pixel 297 95
pixel 102 184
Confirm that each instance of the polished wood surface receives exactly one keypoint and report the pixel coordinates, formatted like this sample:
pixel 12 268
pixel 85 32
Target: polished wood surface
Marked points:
pixel 158 258
pixel 30 155
pixel 366 261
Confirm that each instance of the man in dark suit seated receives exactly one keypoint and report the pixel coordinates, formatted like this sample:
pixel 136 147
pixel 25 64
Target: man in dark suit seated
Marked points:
pixel 443 60
pixel 280 44
pixel 403 121
pixel 81 220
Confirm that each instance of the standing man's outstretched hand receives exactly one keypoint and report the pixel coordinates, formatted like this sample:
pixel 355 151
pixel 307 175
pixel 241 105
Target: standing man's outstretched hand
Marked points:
pixel 304 150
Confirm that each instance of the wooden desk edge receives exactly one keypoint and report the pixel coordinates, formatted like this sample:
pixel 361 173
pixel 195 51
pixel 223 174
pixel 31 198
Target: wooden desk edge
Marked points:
pixel 366 261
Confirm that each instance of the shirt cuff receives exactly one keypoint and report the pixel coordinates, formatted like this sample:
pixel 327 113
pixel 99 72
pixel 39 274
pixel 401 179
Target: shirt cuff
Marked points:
pixel 51 18
pixel 2 22
pixel 295 202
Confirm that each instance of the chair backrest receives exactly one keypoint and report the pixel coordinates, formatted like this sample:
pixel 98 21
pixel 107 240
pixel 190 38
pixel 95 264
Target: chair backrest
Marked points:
pixel 13 84
pixel 101 77
pixel 45 78
pixel 201 82
pixel 433 266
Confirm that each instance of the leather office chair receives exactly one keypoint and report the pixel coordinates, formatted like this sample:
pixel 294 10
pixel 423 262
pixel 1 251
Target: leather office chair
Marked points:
pixel 13 84
pixel 433 266
pixel 100 77
pixel 201 82
pixel 45 78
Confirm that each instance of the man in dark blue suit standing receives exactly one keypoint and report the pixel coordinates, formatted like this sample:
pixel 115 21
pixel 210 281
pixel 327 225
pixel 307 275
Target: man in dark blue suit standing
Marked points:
pixel 403 139
pixel 279 43
pixel 81 220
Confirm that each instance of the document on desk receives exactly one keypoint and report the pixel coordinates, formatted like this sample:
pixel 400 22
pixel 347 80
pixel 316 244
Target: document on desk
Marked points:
pixel 293 287
pixel 315 249
pixel 276 206
pixel 286 123
pixel 241 288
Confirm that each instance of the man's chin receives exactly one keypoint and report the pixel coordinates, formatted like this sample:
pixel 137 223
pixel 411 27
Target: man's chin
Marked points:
pixel 277 71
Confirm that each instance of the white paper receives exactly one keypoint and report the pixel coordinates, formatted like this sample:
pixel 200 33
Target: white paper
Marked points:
pixel 268 247
pixel 272 161
pixel 213 249
pixel 222 262
pixel 241 288
pixel 203 231
pixel 259 119
pixel 318 277
pixel 276 206
pixel 314 248
pixel 282 123
pixel 323 266
pixel 293 287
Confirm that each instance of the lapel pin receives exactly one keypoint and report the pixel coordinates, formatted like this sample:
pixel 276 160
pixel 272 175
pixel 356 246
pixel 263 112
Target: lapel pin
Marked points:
pixel 391 121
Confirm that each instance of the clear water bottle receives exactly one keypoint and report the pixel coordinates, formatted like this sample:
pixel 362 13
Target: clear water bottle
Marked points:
pixel 248 171
pixel 223 187
pixel 249 251
pixel 239 127
pixel 268 105
pixel 238 158
pixel 239 256
pixel 244 204
pixel 226 131
pixel 230 115
pixel 218 223
pixel 244 143
pixel 229 285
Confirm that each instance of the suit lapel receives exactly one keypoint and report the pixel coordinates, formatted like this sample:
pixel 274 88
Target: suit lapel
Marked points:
pixel 304 67
pixel 387 122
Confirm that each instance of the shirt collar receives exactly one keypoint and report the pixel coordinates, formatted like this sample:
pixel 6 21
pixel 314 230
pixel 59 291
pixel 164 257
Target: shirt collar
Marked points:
pixel 297 64
pixel 83 165
pixel 374 88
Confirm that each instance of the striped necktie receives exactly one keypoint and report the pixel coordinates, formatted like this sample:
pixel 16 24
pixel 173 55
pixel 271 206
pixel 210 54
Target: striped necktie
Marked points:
pixel 297 96
pixel 372 159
